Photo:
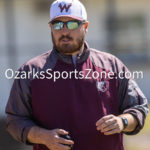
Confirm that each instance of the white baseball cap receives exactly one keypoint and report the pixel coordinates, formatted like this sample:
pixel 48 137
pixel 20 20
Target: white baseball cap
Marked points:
pixel 68 8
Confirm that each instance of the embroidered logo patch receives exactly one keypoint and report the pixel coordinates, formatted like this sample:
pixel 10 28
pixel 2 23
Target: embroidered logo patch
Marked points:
pixel 64 7
pixel 102 86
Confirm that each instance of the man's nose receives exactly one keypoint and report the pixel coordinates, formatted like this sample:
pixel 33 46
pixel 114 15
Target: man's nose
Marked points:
pixel 65 30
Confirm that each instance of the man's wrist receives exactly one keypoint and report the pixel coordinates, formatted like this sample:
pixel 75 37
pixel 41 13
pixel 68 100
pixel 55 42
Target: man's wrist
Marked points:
pixel 132 122
pixel 125 122
pixel 35 135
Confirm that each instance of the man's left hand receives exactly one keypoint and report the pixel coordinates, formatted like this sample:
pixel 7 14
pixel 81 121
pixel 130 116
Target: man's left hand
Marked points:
pixel 110 125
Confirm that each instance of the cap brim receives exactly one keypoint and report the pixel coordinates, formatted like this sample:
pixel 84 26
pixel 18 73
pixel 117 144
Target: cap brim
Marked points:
pixel 70 16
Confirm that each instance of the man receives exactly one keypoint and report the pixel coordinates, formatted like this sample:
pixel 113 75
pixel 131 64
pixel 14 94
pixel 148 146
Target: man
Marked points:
pixel 68 97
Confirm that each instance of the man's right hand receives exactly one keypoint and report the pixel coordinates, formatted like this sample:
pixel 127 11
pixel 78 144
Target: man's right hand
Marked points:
pixel 49 138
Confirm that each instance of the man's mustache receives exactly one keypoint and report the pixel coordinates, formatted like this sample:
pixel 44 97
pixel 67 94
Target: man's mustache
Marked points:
pixel 66 37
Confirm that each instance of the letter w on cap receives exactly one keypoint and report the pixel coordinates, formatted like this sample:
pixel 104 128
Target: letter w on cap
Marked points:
pixel 64 7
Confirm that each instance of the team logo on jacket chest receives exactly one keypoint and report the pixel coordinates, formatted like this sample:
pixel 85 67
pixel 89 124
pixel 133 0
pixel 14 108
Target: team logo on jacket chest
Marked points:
pixel 102 86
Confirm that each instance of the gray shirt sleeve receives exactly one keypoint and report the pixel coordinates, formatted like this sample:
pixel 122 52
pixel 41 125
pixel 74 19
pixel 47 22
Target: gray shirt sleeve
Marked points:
pixel 19 106
pixel 19 111
pixel 132 100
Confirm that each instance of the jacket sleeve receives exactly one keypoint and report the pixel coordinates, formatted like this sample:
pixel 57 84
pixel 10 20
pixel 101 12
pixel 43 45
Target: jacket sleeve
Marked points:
pixel 131 99
pixel 19 112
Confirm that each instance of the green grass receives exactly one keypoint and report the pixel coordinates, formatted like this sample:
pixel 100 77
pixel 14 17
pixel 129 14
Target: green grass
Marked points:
pixel 146 128
pixel 140 141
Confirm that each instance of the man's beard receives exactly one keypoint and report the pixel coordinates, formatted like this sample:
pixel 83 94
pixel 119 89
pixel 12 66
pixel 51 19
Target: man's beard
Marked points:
pixel 68 48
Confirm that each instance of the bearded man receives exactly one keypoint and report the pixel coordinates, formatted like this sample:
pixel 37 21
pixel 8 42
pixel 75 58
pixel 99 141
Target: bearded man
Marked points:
pixel 82 109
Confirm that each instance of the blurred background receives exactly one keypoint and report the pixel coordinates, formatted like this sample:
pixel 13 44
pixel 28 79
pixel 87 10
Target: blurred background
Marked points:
pixel 121 27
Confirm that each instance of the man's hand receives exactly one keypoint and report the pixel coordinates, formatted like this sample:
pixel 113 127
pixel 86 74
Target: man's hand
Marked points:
pixel 49 138
pixel 54 142
pixel 110 125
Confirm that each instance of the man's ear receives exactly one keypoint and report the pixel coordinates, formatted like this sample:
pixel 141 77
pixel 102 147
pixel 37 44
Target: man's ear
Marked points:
pixel 86 26
pixel 50 25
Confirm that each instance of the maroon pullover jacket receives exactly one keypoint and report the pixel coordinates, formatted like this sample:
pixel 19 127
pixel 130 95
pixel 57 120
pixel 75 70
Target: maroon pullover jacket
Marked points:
pixel 75 101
